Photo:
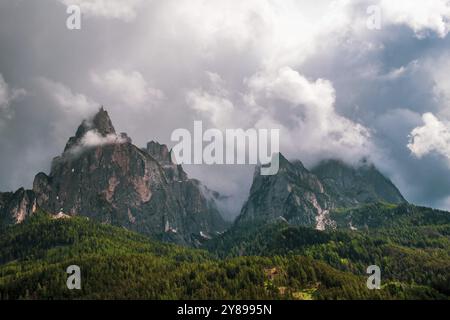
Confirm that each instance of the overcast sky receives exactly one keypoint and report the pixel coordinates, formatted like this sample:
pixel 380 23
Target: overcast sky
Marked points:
pixel 313 69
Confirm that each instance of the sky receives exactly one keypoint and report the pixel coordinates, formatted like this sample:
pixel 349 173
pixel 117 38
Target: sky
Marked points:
pixel 340 79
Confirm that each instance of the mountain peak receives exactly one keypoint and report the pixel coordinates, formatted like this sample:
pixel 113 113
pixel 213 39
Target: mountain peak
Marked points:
pixel 100 122
pixel 107 178
pixel 362 183
pixel 284 165
pixel 307 197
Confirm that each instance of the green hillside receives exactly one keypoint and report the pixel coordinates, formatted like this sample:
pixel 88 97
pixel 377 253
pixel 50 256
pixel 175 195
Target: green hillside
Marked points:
pixel 410 244
pixel 116 263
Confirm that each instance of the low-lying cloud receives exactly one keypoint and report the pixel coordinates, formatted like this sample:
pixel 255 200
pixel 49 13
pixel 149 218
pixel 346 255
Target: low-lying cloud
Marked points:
pixel 93 138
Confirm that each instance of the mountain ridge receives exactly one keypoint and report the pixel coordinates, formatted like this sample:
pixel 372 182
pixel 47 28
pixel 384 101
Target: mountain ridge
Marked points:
pixel 306 197
pixel 103 176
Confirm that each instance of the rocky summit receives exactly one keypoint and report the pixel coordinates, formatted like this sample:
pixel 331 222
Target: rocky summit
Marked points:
pixel 303 197
pixel 103 176
pixel 355 185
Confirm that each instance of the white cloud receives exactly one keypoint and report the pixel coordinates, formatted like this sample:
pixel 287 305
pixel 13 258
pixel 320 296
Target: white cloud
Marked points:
pixel 93 138
pixel 307 116
pixel 275 33
pixel 217 108
pixel 281 33
pixel 7 96
pixel 67 106
pixel 129 88
pixel 287 84
pixel 70 102
pixel 420 15
pixel 116 9
pixel 432 137
pixel 303 109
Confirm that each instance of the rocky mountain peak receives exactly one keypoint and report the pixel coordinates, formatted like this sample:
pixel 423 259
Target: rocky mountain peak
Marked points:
pixel 100 123
pixel 105 177
pixel 285 165
pixel 293 193
pixel 306 197
pixel 159 152
pixel 356 184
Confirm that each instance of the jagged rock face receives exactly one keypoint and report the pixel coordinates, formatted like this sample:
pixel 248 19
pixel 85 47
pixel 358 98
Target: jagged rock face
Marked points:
pixel 16 207
pixel 351 186
pixel 101 123
pixel 195 198
pixel 159 152
pixel 116 182
pixel 294 194
pixel 307 198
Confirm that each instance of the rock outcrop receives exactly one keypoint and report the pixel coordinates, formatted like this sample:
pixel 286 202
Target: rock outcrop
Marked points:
pixel 16 207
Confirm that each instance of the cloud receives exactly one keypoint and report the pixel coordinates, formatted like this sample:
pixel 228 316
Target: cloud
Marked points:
pixel 289 85
pixel 93 138
pixel 437 69
pixel 306 110
pixel 303 109
pixel 421 16
pixel 212 102
pixel 65 108
pixel 217 108
pixel 7 96
pixel 70 102
pixel 128 88
pixel 432 137
pixel 114 9
pixel 273 33
pixel 401 71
